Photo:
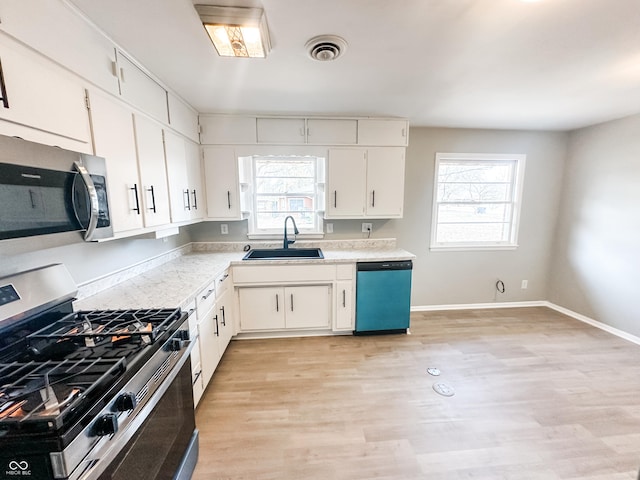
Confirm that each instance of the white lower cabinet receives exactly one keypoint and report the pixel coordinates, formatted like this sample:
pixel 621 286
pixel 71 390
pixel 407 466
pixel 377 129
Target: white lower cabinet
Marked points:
pixel 208 332
pixel 344 306
pixel 293 307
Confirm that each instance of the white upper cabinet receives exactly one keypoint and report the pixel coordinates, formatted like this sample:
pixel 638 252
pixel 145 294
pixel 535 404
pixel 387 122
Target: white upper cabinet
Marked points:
pixel 222 187
pixel 141 90
pixel 183 118
pixel 153 174
pixel 60 33
pixel 385 182
pixel 365 183
pixel 240 130
pixel 288 131
pixel 40 99
pixel 323 131
pixel 177 177
pixel 346 183
pixel 382 132
pixel 114 139
pixel 229 130
pixel 194 176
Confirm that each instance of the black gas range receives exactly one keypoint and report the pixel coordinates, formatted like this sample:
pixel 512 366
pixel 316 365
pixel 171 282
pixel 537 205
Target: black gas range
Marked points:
pixel 88 395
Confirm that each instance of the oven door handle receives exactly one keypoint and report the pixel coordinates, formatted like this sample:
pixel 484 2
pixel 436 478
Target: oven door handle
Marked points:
pixel 93 201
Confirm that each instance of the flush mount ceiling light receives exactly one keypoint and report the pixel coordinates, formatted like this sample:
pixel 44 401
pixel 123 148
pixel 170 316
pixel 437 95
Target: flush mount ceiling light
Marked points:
pixel 236 31
pixel 325 48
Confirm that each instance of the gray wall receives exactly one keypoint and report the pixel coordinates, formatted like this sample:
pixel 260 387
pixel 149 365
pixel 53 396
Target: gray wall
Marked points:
pixel 442 278
pixel 84 260
pixel 596 265
pixel 462 277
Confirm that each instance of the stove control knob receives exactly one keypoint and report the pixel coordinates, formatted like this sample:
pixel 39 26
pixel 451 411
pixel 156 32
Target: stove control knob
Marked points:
pixel 183 334
pixel 126 401
pixel 176 344
pixel 106 424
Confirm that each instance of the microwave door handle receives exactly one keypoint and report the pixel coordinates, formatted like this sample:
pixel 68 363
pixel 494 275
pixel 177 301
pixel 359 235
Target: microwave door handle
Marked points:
pixel 93 199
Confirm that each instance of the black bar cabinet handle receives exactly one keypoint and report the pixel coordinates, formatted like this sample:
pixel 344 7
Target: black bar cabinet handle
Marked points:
pixel 135 192
pixel 277 306
pixel 3 89
pixel 344 298
pixel 195 200
pixel 224 320
pixel 373 198
pixel 229 199
pixel 292 302
pixel 153 199
pixel 187 204
pixel 217 332
pixel 335 199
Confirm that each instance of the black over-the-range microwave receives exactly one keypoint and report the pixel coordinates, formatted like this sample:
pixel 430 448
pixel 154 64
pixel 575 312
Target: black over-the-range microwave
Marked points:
pixel 46 190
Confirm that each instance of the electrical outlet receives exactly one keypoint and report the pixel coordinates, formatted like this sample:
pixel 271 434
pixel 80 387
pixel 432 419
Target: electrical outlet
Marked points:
pixel 367 227
pixel 329 227
pixel 525 284
pixel 224 228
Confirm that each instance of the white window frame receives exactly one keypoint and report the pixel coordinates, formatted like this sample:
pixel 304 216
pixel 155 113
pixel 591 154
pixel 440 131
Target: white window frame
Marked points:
pixel 516 201
pixel 253 231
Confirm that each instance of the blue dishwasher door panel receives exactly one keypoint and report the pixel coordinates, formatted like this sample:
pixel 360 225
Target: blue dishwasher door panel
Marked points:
pixel 383 300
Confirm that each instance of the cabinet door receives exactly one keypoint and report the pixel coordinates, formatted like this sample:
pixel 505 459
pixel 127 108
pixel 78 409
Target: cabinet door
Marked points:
pixel 182 117
pixel 346 183
pixel 307 306
pixel 114 139
pixel 196 373
pixel 261 308
pixel 225 318
pixel 141 90
pixel 221 181
pixel 321 131
pixel 39 94
pixel 344 305
pixel 194 176
pixel 208 331
pixel 385 182
pixel 286 131
pixel 153 174
pixel 177 177
pixel 221 130
pixel 383 132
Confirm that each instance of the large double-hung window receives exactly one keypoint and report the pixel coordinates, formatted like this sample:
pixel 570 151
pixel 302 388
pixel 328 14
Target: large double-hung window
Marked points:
pixel 283 186
pixel 476 201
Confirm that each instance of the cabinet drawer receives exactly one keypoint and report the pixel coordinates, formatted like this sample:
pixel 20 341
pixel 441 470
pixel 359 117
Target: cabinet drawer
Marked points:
pixel 283 273
pixel 345 272
pixel 205 299
pixel 223 283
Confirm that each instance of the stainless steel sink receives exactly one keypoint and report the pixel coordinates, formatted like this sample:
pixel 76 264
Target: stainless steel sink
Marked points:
pixel 283 253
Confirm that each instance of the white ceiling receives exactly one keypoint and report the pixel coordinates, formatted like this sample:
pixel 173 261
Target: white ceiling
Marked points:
pixel 550 64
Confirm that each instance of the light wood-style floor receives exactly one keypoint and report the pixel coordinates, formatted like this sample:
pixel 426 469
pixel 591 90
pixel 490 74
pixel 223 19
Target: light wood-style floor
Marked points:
pixel 537 396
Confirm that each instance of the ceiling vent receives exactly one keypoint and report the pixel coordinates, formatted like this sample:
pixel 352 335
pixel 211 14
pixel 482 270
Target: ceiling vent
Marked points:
pixel 325 48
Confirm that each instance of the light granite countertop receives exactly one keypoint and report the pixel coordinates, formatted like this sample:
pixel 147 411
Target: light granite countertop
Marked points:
pixel 176 282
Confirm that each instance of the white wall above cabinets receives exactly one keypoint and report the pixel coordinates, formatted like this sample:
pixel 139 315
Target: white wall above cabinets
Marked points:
pixel 221 183
pixel 249 130
pixel 365 183
pixel 41 102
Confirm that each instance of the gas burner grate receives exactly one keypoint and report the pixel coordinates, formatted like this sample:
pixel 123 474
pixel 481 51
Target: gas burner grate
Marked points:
pixel 48 391
pixel 142 326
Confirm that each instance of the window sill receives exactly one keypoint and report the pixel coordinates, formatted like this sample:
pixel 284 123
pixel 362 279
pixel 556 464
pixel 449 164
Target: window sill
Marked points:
pixel 471 248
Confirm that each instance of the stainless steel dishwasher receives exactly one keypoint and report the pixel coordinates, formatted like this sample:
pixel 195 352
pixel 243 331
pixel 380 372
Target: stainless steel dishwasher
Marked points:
pixel 383 297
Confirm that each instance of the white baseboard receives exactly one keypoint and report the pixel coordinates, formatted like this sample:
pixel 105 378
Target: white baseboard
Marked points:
pixel 539 303
pixel 477 306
